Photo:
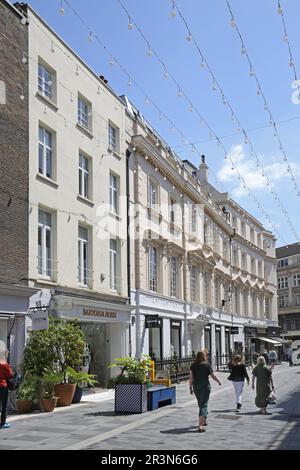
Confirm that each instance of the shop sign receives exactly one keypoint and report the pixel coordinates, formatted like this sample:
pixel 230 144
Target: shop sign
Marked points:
pixel 90 312
pixel 250 332
pixel 234 330
pixel 153 321
pixel 40 320
pixel 274 331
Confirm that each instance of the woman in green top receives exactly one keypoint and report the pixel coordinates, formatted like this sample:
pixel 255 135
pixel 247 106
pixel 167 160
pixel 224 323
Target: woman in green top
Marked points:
pixel 264 382
pixel 200 372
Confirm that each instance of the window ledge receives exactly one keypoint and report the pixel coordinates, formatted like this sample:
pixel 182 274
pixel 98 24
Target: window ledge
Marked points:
pixel 114 153
pixel 43 280
pixel 46 100
pixel 85 200
pixel 84 130
pixel 47 180
pixel 115 216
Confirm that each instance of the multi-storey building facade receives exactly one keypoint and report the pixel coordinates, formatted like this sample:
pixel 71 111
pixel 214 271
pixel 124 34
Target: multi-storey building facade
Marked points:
pixel 203 270
pixel 77 254
pixel 288 284
pixel 14 283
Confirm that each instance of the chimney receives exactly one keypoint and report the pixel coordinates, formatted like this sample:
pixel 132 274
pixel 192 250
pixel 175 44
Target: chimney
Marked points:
pixel 202 172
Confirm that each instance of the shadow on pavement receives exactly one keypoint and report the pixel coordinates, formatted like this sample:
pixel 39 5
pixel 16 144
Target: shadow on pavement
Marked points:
pixel 191 429
pixel 102 413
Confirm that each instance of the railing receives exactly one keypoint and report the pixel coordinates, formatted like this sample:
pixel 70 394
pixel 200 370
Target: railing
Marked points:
pixel 178 368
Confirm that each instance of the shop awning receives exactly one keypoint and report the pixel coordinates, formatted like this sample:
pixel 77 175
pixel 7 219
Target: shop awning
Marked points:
pixel 6 315
pixel 282 341
pixel 269 340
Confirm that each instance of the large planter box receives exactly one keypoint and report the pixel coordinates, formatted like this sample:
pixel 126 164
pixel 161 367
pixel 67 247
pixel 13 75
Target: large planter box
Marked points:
pixel 130 398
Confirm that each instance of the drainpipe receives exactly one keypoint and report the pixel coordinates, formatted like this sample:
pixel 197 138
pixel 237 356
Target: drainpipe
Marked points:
pixel 128 153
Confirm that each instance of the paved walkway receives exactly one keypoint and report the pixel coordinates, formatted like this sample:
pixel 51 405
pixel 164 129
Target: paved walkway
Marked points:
pixel 93 425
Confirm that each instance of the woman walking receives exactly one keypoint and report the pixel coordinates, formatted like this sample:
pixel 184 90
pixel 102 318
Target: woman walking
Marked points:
pixel 238 374
pixel 200 372
pixel 5 374
pixel 264 384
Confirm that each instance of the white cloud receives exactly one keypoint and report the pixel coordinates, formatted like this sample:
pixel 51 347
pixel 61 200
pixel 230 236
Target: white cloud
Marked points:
pixel 251 174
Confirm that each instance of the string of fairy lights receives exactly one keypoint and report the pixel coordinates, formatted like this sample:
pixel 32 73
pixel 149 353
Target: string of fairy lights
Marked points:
pixel 226 102
pixel 93 36
pixel 132 23
pixel 180 93
pixel 260 93
pixel 292 65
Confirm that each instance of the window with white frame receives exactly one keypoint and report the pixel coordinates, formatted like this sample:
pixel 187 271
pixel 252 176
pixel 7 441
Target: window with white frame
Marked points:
pixel 259 239
pixel 253 266
pixel 114 264
pixel 252 235
pixel 267 307
pixel 260 270
pixel 283 301
pixel 84 113
pixel 296 280
pixel 217 294
pixel 193 274
pixel 153 193
pixel 153 268
pixel 237 300
pixel 84 177
pixel 225 249
pixel 244 261
pixel 243 229
pixel 282 282
pixel 83 256
pixel 283 263
pixel 193 218
pixel 172 210
pixel 113 137
pixel 254 304
pixel 46 139
pixel 46 81
pixel 173 276
pixel 45 242
pixel 114 193
pixel 206 282
pixel 235 257
pixel 245 299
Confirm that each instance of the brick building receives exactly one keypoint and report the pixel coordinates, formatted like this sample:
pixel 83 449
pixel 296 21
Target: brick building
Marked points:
pixel 14 161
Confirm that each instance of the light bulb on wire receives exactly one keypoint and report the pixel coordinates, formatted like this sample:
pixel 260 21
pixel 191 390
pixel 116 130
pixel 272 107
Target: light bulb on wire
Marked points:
pixel 61 10
pixel 130 25
pixel 189 37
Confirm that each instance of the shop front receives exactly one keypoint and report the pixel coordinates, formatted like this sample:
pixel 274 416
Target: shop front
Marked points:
pixel 106 327
pixel 250 339
pixel 14 304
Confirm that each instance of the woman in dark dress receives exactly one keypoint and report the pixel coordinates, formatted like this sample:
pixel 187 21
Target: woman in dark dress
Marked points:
pixel 200 372
pixel 264 384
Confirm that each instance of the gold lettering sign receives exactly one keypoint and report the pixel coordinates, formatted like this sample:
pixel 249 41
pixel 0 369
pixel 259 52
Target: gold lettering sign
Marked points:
pixel 89 312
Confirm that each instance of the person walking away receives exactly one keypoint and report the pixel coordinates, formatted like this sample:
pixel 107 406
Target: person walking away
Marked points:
pixel 200 371
pixel 290 357
pixel 266 356
pixel 5 374
pixel 238 374
pixel 264 384
pixel 272 358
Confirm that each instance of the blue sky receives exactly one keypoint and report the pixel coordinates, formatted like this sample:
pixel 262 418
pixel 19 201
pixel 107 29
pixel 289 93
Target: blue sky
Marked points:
pixel 261 28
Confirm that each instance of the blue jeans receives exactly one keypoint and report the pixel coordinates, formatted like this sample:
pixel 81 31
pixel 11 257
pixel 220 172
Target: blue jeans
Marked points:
pixel 3 402
pixel 202 392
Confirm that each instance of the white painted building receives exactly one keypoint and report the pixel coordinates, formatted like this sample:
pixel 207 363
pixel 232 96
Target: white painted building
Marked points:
pixel 202 268
pixel 77 195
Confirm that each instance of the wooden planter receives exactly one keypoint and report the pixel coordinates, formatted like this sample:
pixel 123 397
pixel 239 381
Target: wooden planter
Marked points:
pixel 48 404
pixel 130 398
pixel 65 392
pixel 23 406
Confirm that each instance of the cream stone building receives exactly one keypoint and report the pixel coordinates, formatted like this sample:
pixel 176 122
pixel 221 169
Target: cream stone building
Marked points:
pixel 77 217
pixel 203 270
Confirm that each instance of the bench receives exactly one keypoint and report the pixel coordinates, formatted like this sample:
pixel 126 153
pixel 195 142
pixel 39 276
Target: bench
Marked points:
pixel 158 396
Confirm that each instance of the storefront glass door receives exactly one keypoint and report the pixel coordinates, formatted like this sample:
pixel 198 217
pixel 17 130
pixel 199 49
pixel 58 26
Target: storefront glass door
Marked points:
pixel 96 357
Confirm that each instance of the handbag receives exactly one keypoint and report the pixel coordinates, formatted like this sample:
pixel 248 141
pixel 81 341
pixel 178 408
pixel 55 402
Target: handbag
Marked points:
pixel 272 399
pixel 229 377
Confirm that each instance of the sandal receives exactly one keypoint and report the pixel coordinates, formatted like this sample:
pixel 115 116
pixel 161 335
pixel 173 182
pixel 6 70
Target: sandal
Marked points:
pixel 201 430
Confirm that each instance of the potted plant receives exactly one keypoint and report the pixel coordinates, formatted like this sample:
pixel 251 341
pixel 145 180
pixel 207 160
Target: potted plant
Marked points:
pixel 49 380
pixel 69 348
pixel 81 379
pixel 26 394
pixel 131 384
